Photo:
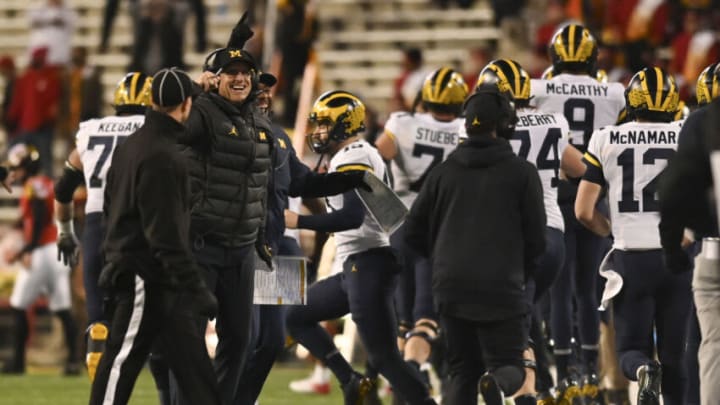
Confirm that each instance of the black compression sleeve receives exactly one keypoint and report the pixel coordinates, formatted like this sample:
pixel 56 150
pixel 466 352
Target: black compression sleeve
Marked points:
pixel 350 216
pixel 71 178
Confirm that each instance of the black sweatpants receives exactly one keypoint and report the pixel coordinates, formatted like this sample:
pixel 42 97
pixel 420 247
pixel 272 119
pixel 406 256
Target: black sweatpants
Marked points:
pixel 474 347
pixel 144 314
pixel 365 289
pixel 651 299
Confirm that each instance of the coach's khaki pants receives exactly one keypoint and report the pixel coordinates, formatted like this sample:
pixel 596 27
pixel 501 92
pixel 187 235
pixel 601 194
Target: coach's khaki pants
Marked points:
pixel 706 289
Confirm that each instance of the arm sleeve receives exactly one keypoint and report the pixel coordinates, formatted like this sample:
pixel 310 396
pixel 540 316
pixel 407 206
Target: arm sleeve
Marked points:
pixel 160 206
pixel 350 216
pixel 533 219
pixel 683 183
pixel 39 217
pixel 308 184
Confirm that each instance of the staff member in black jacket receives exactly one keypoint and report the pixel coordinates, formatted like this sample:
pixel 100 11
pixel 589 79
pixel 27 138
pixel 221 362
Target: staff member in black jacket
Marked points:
pixel 158 290
pixel 480 216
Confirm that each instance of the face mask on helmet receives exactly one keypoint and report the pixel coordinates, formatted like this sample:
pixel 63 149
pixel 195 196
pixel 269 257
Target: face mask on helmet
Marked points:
pixel 708 84
pixel 133 94
pixel 335 117
pixel 509 77
pixel 444 91
pixel 26 157
pixel 652 95
pixel 573 49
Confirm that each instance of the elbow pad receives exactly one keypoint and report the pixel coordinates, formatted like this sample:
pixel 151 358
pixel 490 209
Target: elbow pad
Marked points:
pixel 68 182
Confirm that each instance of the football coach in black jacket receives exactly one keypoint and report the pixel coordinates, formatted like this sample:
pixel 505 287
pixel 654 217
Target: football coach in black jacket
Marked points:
pixel 157 289
pixel 480 217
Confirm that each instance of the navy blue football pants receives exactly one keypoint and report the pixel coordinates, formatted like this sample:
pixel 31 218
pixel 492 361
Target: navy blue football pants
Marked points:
pixel 365 289
pixel 652 302
pixel 576 284
pixel 413 297
pixel 93 235
pixel 547 268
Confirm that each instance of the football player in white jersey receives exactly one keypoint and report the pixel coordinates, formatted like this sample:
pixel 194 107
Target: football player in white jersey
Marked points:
pixel 88 163
pixel 542 139
pixel 587 105
pixel 628 159
pixel 415 143
pixel 366 285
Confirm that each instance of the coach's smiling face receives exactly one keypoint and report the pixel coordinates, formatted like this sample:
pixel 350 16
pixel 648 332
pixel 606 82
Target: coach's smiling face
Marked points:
pixel 235 82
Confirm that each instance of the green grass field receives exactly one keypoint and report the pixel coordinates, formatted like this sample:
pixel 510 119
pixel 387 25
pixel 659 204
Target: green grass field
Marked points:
pixel 41 387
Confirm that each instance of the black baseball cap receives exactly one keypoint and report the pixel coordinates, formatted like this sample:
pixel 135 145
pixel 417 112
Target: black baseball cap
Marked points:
pixel 267 79
pixel 222 57
pixel 170 87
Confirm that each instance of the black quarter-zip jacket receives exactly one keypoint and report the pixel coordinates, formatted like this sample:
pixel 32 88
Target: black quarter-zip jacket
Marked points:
pixel 147 206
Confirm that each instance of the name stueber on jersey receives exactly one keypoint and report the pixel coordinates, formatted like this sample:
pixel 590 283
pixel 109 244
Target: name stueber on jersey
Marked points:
pixel 576 89
pixel 430 135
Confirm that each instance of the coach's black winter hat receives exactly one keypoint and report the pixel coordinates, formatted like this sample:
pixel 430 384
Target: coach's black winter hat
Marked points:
pixel 267 79
pixel 170 87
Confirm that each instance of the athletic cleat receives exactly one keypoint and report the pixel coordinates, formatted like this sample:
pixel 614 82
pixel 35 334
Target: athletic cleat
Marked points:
pixel 355 391
pixel 544 398
pixel 317 383
pixel 590 388
pixel 97 337
pixel 490 390
pixel 568 392
pixel 373 396
pixel 649 378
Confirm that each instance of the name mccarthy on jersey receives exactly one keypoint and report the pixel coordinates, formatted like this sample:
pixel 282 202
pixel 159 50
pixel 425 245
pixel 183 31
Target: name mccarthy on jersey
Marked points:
pixel 442 137
pixel 115 127
pixel 641 136
pixel 576 89
pixel 534 120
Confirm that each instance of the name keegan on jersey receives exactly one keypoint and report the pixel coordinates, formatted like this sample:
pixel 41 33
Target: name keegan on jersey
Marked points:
pixel 534 120
pixel 576 89
pixel 427 134
pixel 643 137
pixel 114 127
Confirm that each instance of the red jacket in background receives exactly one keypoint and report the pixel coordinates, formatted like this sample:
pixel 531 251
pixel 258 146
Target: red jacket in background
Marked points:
pixel 35 99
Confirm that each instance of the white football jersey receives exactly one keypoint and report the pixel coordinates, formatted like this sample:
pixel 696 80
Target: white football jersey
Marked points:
pixel 358 155
pixel 631 156
pixel 541 139
pixel 422 142
pixel 586 103
pixel 96 141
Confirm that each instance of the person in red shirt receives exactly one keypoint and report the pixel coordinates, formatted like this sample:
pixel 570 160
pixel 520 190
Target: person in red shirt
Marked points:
pixel 41 271
pixel 34 106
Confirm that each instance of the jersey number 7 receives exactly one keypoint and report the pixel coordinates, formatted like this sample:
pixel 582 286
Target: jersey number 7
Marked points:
pixel 108 144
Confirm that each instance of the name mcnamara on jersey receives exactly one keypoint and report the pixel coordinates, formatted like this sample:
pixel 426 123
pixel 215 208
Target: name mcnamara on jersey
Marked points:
pixel 443 137
pixel 114 127
pixel 576 89
pixel 534 120
pixel 643 136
